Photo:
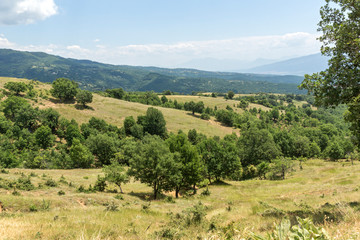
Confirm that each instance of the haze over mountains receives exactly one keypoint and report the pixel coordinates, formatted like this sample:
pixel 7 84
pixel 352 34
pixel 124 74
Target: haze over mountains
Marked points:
pixel 97 76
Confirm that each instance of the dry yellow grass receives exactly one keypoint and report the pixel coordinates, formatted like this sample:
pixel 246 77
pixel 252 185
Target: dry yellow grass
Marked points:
pixel 219 102
pixel 82 216
pixel 114 111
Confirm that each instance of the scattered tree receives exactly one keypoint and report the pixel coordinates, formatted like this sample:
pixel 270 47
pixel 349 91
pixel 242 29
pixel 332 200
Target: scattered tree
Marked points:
pixel 64 89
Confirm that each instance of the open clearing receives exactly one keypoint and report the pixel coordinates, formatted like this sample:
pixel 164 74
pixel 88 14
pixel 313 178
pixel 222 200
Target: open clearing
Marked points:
pixel 114 112
pixel 78 215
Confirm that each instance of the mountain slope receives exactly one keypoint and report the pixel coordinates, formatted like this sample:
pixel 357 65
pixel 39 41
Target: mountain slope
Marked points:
pixel 97 76
pixel 295 66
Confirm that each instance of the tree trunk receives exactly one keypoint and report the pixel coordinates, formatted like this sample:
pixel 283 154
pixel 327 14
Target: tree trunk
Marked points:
pixel 120 189
pixel 155 190
pixel 194 188
pixel 177 190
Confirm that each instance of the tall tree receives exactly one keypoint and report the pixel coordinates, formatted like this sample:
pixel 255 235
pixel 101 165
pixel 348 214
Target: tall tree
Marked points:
pixel 83 97
pixel 154 165
pixel 154 122
pixel 340 82
pixel 188 158
pixel 64 89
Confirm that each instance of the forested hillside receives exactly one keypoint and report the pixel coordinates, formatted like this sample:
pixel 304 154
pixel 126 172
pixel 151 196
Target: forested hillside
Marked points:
pixel 97 76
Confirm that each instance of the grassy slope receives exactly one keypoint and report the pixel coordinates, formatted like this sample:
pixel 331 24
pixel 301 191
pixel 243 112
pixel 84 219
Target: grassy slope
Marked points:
pixel 114 111
pixel 220 102
pixel 84 216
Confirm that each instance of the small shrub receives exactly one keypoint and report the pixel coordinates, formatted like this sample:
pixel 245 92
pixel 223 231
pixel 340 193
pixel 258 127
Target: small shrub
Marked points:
pixel 50 183
pixel 15 193
pixel 33 208
pixel 86 177
pixel 112 207
pixel 169 199
pixel 100 184
pixel 4 171
pixel 45 205
pixel 119 197
pixel 206 192
pixel 146 207
pixel 32 174
pixel 61 192
pixel 63 180
pixel 24 183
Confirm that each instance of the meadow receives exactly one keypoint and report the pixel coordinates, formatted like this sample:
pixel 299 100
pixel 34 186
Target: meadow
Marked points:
pixel 231 208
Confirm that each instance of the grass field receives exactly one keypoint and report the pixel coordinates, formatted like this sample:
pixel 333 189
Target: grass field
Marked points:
pixel 220 102
pixel 114 111
pixel 238 207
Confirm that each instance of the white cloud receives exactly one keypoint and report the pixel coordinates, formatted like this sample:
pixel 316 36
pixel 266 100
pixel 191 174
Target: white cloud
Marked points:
pixel 5 43
pixel 244 49
pixel 14 12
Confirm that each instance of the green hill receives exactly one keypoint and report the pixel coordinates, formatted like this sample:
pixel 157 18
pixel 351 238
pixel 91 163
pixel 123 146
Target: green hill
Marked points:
pixel 97 76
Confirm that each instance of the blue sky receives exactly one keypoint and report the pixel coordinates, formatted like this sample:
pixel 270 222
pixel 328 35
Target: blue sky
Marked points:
pixel 163 32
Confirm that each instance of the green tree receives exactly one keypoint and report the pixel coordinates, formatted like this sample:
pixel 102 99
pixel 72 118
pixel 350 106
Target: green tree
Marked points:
pixel 230 94
pixel 128 123
pixel 256 146
pixel 154 122
pixel 83 97
pixel 154 165
pixel 12 105
pixel 73 131
pixel 64 89
pixel 16 87
pixel 114 173
pixel 189 161
pixel 103 147
pixel 339 83
pixel 44 137
pixel 50 117
pixel 80 155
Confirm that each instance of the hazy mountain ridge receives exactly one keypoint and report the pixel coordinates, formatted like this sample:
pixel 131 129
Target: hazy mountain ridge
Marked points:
pixel 295 66
pixel 98 76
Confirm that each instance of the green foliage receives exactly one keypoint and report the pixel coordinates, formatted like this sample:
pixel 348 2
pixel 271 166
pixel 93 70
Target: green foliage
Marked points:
pixel 154 165
pixel 12 105
pixel 304 230
pixel 16 87
pixel 190 164
pixel 154 122
pixel 340 30
pixel 83 97
pixel 257 145
pixel 64 89
pixel 114 173
pixel 44 137
pixel 100 184
pixel 103 147
pixel 230 94
pixel 80 155
pixel 279 167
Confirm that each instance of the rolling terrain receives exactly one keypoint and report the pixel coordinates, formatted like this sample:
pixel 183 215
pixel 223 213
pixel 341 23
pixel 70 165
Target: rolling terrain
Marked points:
pixel 97 76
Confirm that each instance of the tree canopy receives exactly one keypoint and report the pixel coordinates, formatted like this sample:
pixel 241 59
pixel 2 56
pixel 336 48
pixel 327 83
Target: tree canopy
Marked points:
pixel 340 82
pixel 64 89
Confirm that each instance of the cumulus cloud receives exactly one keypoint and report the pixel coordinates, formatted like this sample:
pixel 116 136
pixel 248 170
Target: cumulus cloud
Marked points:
pixel 14 12
pixel 5 43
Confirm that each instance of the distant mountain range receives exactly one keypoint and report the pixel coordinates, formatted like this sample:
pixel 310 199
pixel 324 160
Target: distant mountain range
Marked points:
pixel 97 76
pixel 295 66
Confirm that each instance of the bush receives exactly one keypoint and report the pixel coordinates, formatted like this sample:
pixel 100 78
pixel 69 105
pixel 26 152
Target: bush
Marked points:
pixel 100 184
pixel 24 183
pixel 61 192
pixel 50 183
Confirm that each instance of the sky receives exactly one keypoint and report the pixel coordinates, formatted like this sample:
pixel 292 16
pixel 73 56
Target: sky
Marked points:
pixel 212 34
